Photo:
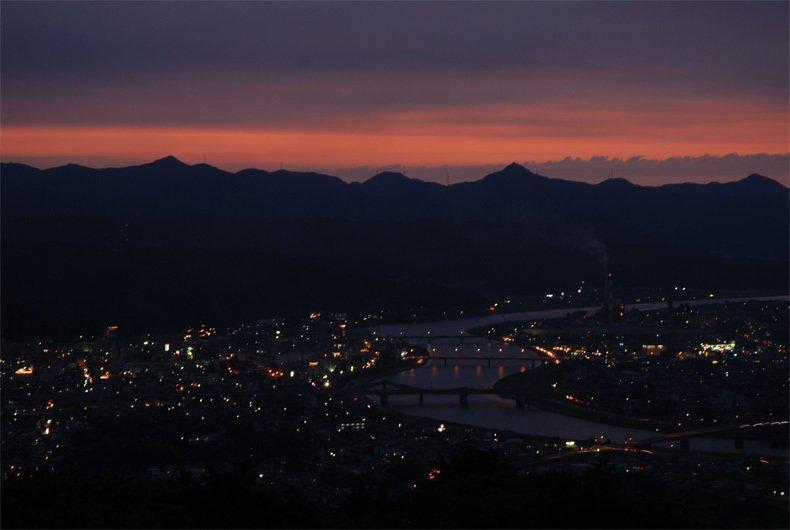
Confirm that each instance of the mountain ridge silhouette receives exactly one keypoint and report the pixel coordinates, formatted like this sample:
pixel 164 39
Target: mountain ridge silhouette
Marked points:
pixel 512 170
pixel 166 243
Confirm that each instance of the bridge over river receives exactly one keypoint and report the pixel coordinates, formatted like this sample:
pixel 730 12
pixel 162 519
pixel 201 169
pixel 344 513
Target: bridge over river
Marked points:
pixel 477 363
pixel 384 389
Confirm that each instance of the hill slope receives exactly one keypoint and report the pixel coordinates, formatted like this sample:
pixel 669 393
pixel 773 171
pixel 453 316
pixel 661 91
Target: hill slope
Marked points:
pixel 172 243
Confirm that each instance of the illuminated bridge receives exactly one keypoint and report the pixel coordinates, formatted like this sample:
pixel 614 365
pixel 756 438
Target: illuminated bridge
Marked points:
pixel 487 360
pixel 384 389
pixel 428 337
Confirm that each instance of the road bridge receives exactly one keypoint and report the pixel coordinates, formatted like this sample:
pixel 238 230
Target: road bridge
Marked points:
pixel 384 389
pixel 487 360
pixel 428 337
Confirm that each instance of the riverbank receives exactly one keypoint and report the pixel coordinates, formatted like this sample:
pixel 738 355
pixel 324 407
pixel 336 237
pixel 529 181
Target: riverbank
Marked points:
pixel 526 383
pixel 549 413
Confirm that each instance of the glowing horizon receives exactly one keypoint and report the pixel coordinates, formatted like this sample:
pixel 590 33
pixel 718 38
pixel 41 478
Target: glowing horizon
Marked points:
pixel 336 86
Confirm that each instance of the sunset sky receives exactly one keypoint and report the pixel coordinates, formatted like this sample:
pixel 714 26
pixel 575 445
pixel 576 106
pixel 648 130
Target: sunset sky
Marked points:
pixel 339 87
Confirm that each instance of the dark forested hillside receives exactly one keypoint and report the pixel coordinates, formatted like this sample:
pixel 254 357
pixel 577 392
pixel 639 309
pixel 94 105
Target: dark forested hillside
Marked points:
pixel 167 243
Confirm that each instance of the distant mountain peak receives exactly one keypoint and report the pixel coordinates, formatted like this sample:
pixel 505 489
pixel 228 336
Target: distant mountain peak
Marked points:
pixel 388 177
pixel 511 173
pixel 515 167
pixel 168 161
pixel 207 168
pixel 73 166
pixel 755 179
pixel 616 182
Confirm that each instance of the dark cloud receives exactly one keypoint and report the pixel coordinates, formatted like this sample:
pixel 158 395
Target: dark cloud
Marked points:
pixel 115 46
pixel 477 82
pixel 73 38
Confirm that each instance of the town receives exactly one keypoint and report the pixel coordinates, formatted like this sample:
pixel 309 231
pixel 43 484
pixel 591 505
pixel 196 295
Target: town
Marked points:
pixel 290 398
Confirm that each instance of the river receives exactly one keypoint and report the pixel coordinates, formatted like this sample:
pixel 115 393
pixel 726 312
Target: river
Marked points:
pixel 493 412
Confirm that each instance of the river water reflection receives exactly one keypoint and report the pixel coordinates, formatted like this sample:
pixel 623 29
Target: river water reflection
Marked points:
pixel 492 412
